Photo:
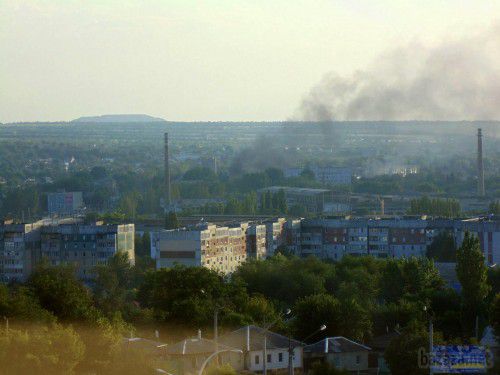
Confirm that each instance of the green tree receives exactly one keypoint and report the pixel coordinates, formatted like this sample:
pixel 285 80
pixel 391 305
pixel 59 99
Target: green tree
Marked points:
pixel 495 315
pixel 46 350
pixel 495 208
pixel 402 354
pixel 324 368
pixel 112 284
pixel 315 310
pixel 472 274
pixel 171 220
pixel 188 295
pixel 442 248
pixel 61 293
pixel 128 204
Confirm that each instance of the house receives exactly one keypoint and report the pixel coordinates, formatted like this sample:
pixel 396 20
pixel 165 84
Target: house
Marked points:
pixel 339 352
pixel 250 339
pixel 378 345
pixel 190 354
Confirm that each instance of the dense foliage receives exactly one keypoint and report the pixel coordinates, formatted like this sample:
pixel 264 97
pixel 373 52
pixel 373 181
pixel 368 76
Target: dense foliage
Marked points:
pixel 359 298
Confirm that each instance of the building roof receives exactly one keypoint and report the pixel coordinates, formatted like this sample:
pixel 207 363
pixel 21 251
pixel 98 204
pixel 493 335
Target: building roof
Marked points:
pixel 337 344
pixel 251 338
pixel 296 190
pixel 194 346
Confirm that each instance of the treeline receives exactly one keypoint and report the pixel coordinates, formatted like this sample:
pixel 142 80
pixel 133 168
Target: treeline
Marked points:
pixel 359 298
pixel 435 207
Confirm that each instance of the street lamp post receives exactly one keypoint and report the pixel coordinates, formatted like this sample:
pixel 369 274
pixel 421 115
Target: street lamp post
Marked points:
pixel 431 339
pixel 291 348
pixel 264 351
pixel 204 364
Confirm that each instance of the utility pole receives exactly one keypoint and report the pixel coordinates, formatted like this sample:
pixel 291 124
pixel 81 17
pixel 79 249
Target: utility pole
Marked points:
pixel 290 355
pixel 431 344
pixel 477 327
pixel 264 364
pixel 216 331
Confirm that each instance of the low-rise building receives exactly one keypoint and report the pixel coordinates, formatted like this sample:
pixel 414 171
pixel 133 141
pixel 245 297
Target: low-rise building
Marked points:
pixel 250 340
pixel 339 352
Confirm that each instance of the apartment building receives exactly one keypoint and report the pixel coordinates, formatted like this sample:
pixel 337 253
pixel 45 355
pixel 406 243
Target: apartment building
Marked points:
pixel 274 235
pixel 84 245
pixel 221 249
pixel 23 246
pixel 256 241
pixel 388 237
pixel 18 243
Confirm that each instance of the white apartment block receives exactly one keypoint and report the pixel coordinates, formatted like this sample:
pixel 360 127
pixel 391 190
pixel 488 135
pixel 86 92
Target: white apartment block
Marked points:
pixel 221 249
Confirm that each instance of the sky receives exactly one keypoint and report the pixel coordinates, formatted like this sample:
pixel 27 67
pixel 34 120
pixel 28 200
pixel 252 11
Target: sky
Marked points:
pixel 207 60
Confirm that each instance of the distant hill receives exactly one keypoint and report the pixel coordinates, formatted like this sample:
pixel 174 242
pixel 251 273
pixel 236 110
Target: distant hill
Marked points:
pixel 119 118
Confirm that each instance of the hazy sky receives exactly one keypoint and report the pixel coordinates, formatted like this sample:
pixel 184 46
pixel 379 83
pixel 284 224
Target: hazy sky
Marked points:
pixel 202 60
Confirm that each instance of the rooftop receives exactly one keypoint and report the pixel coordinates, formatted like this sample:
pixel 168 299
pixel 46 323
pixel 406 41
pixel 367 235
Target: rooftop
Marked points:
pixel 338 344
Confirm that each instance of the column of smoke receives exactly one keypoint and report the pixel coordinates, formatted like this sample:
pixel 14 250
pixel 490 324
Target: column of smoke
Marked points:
pixel 456 80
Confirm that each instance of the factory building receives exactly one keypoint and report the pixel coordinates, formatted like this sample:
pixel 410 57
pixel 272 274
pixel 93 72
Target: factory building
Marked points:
pixel 23 246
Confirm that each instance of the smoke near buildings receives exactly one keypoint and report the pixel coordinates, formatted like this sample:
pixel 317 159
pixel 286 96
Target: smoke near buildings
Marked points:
pixel 456 80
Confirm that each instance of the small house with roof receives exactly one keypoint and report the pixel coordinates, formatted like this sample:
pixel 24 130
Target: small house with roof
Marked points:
pixel 339 352
pixel 250 339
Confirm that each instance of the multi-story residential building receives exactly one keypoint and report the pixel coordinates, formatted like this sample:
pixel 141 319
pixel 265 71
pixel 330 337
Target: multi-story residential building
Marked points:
pixel 408 238
pixel 332 238
pixel 17 250
pixel 292 233
pixel 220 249
pixel 274 235
pixel 23 246
pixel 256 241
pixel 223 249
pixel 84 245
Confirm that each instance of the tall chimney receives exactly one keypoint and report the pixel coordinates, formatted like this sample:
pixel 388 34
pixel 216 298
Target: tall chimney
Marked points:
pixel 215 164
pixel 167 174
pixel 480 166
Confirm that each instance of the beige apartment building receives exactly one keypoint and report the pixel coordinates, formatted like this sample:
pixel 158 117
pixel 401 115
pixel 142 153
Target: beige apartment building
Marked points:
pixel 221 249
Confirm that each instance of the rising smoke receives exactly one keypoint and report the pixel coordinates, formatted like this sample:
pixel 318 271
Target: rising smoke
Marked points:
pixel 457 80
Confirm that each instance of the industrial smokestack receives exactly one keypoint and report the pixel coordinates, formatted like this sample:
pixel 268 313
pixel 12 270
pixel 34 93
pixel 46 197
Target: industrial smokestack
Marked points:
pixel 167 174
pixel 480 166
pixel 214 160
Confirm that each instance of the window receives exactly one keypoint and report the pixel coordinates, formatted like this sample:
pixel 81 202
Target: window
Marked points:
pixel 269 358
pixel 358 359
pixel 257 359
pixel 280 357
